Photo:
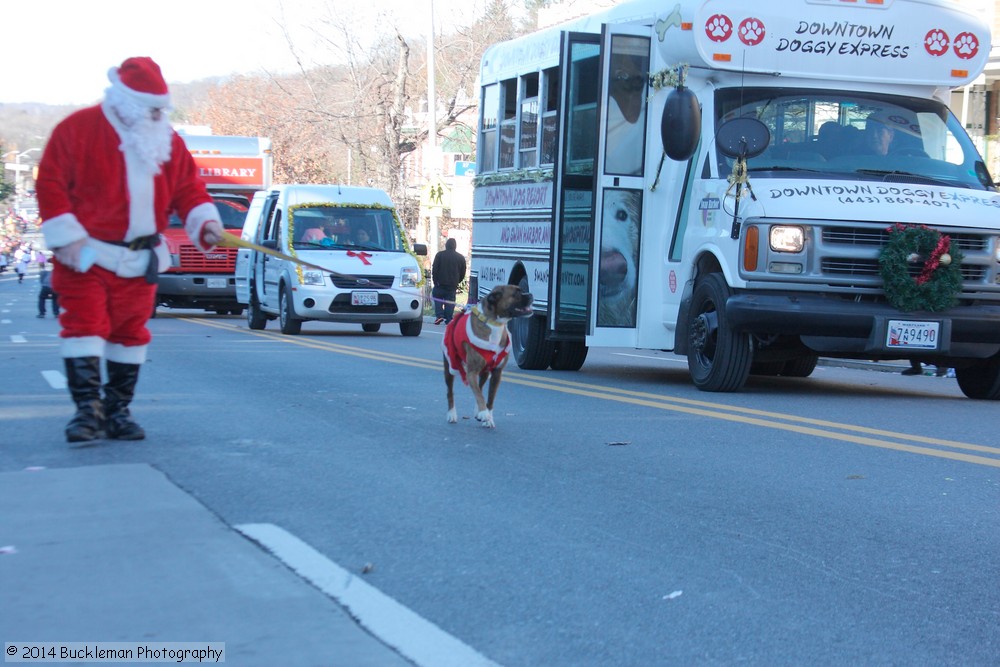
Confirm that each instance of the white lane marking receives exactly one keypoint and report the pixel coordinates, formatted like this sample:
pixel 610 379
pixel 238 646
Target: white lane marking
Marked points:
pixel 55 379
pixel 17 338
pixel 413 636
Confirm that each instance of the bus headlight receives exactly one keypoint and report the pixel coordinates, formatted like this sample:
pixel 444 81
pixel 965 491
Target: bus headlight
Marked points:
pixel 787 238
pixel 409 276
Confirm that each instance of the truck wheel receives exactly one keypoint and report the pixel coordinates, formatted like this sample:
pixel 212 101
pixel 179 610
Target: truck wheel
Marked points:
pixel 290 324
pixel 411 327
pixel 719 358
pixel 256 319
pixel 371 327
pixel 569 355
pixel 981 382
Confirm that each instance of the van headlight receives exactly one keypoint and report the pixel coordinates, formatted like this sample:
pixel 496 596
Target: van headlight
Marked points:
pixel 312 278
pixel 787 238
pixel 409 276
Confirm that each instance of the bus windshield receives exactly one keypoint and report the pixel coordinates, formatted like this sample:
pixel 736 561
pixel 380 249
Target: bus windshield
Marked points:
pixel 855 136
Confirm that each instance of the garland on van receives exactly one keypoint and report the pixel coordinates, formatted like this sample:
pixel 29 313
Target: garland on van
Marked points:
pixel 395 218
pixel 937 285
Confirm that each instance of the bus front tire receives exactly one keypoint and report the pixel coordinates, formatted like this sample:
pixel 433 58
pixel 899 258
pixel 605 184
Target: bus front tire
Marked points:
pixel 981 382
pixel 719 358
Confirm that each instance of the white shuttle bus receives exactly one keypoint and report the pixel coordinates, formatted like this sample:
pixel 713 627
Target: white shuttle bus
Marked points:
pixel 749 185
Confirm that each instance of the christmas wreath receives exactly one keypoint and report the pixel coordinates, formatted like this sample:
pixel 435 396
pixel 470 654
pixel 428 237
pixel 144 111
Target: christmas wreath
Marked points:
pixel 940 278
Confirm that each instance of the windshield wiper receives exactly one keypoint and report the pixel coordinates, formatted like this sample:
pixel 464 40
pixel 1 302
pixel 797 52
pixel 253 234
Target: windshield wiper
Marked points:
pixel 884 173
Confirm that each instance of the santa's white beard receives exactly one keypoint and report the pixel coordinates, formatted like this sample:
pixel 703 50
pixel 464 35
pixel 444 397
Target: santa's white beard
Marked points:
pixel 147 139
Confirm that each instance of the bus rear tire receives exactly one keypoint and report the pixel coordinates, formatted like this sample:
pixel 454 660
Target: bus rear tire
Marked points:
pixel 569 355
pixel 801 367
pixel 719 358
pixel 981 382
pixel 532 351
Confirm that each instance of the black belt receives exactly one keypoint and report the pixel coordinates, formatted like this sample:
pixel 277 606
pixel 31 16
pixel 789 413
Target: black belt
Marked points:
pixel 144 243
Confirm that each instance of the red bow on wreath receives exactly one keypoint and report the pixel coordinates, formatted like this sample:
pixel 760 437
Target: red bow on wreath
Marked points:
pixel 936 286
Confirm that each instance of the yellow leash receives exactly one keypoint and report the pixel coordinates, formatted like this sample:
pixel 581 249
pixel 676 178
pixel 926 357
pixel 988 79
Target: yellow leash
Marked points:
pixel 233 241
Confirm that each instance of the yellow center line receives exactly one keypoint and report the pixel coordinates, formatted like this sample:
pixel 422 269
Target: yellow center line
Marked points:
pixel 749 416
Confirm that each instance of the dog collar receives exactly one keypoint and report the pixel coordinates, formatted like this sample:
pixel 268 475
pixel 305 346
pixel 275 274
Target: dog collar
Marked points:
pixel 482 318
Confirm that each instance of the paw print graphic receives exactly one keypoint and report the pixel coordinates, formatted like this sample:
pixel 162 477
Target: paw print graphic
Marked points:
pixel 966 46
pixel 936 42
pixel 751 32
pixel 719 28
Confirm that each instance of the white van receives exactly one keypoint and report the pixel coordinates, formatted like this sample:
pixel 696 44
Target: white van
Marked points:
pixel 356 263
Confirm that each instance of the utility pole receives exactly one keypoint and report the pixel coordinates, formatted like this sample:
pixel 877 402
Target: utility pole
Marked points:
pixel 431 157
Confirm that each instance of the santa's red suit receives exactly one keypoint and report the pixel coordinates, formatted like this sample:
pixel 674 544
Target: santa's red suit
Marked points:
pixel 99 183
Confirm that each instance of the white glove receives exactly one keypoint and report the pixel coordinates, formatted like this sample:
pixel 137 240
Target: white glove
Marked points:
pixel 212 233
pixel 70 255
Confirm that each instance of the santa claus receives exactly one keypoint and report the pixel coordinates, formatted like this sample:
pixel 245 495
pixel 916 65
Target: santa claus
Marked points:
pixel 107 182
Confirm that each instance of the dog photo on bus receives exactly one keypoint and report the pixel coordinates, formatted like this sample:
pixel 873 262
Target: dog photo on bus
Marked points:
pixel 617 280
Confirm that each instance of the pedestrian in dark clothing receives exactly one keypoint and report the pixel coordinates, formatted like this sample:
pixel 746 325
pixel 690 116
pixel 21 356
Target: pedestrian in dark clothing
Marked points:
pixel 447 272
pixel 46 292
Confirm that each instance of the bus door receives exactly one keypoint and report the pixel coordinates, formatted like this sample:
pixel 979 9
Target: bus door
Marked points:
pixel 573 197
pixel 619 193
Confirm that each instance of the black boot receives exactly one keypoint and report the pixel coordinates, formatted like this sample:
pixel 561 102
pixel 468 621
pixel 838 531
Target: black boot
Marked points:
pixel 118 392
pixel 83 376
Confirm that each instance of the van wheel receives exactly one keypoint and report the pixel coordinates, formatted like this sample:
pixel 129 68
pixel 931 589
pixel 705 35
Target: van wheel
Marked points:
pixel 256 319
pixel 411 327
pixel 719 358
pixel 371 327
pixel 982 381
pixel 290 324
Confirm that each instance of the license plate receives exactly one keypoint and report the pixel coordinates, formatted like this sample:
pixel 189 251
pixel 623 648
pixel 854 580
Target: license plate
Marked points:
pixel 216 283
pixel 909 335
pixel 364 298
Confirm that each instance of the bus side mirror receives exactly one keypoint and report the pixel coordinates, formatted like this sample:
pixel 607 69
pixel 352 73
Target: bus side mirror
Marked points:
pixel 680 126
pixel 742 138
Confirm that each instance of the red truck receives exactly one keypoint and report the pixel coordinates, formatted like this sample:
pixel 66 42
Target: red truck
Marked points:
pixel 233 168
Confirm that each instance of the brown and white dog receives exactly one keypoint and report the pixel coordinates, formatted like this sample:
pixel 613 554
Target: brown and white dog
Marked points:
pixel 477 345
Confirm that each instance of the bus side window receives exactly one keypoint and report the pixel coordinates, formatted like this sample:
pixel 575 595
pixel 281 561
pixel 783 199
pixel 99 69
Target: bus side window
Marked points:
pixel 490 105
pixel 528 147
pixel 550 117
pixel 508 124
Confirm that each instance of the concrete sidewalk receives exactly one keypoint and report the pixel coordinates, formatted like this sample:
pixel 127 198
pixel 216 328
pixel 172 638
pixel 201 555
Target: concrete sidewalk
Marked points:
pixel 118 553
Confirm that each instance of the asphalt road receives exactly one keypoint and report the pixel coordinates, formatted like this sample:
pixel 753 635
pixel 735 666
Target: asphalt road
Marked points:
pixel 615 516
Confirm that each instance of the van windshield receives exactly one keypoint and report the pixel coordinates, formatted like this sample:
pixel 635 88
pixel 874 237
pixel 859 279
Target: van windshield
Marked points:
pixel 855 136
pixel 326 226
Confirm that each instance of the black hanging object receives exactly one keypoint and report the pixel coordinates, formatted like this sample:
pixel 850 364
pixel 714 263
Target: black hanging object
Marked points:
pixel 680 126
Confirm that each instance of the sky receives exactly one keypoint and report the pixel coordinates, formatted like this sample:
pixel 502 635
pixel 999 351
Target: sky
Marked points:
pixel 60 51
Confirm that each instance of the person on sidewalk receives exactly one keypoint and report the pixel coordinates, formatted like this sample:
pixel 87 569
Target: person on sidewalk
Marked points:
pixel 21 268
pixel 916 368
pixel 45 293
pixel 447 272
pixel 108 179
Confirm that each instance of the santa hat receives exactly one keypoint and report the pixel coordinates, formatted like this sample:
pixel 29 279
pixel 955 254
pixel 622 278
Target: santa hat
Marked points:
pixel 141 80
